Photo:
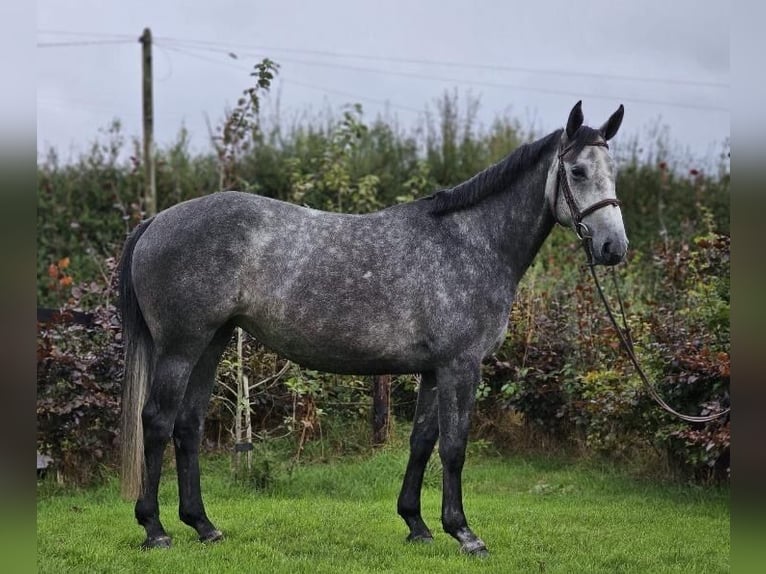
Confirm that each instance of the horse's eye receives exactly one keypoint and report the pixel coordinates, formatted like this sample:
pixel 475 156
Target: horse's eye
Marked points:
pixel 578 171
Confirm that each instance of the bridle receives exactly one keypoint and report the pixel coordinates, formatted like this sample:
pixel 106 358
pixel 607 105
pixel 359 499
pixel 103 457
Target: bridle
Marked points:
pixel 585 237
pixel 562 186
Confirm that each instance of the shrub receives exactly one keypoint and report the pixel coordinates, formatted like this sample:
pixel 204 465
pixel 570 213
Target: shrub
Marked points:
pixel 79 369
pixel 681 332
pixel 692 346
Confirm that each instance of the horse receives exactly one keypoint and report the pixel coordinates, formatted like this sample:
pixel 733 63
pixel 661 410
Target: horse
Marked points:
pixel 420 287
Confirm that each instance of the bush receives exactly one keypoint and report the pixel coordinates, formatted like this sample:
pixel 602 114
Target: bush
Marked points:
pixel 692 346
pixel 681 333
pixel 79 369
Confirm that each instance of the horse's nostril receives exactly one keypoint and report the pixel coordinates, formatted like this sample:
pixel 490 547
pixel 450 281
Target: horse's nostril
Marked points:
pixel 605 249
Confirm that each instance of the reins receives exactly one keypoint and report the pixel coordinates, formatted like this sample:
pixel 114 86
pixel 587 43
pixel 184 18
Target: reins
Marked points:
pixel 623 332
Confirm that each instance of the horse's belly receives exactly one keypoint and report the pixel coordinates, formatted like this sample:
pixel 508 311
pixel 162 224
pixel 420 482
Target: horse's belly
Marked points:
pixel 377 344
pixel 338 349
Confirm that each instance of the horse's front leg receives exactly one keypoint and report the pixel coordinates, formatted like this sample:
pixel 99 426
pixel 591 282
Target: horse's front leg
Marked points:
pixel 425 431
pixel 456 387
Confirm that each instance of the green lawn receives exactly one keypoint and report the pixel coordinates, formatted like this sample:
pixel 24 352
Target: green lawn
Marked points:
pixel 535 516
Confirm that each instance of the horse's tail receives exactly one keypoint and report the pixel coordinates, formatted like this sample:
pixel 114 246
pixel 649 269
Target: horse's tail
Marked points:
pixel 139 351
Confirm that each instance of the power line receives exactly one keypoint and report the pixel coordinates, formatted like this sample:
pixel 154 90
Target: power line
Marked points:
pixel 490 67
pixel 206 46
pixel 186 52
pixel 475 82
pixel 419 61
pixel 81 43
pixel 294 82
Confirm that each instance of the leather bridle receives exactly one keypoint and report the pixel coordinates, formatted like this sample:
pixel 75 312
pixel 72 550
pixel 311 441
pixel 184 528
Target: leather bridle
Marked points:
pixel 562 185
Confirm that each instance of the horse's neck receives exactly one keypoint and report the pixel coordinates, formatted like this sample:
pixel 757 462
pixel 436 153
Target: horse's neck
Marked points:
pixel 517 220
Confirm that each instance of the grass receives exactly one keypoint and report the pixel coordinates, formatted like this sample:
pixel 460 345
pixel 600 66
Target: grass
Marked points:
pixel 535 515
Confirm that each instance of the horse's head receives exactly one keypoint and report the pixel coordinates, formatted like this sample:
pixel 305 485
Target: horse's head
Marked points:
pixel 581 187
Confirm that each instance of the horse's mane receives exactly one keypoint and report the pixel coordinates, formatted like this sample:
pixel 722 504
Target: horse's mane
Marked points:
pixel 495 178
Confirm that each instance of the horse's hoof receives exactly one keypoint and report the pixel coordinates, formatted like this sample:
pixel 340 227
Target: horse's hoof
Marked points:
pixel 420 538
pixel 475 548
pixel 212 536
pixel 156 542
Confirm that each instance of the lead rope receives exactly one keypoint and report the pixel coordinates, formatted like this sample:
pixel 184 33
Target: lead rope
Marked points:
pixel 627 343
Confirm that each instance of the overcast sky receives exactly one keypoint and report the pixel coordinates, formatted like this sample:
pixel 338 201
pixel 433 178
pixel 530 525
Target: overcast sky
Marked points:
pixel 666 61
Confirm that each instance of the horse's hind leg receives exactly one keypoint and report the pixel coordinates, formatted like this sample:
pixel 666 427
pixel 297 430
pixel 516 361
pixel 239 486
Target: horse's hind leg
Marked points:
pixel 171 375
pixel 425 432
pixel 186 437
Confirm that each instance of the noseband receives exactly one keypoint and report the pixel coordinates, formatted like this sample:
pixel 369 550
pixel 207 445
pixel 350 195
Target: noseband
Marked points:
pixel 562 185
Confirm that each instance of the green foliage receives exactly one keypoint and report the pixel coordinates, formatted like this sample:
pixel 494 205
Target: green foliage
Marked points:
pixel 327 180
pixel 661 205
pixel 265 471
pixel 84 211
pixel 692 353
pixel 607 402
pixel 561 366
pixel 241 126
pixel 456 148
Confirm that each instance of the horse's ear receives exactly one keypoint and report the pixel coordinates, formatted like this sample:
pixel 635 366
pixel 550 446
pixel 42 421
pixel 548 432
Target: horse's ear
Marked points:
pixel 609 129
pixel 575 119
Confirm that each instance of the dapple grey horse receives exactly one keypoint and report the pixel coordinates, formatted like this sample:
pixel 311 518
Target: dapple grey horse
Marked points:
pixel 422 287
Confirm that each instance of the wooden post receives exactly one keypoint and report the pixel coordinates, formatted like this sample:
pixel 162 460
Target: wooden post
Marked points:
pixel 150 187
pixel 248 420
pixel 238 411
pixel 381 409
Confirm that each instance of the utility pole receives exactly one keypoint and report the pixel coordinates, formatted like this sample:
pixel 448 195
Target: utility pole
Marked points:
pixel 150 185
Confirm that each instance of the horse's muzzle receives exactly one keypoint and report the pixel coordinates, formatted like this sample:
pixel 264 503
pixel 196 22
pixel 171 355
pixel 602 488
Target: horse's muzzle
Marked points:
pixel 611 252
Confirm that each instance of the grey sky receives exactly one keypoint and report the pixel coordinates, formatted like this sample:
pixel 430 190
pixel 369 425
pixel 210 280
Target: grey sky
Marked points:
pixel 587 48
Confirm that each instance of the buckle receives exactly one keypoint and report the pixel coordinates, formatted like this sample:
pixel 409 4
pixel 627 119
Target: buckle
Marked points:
pixel 582 231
